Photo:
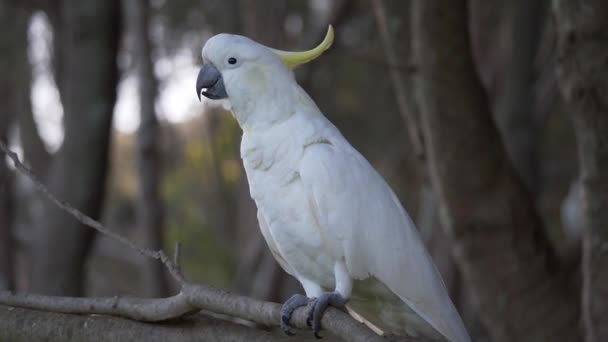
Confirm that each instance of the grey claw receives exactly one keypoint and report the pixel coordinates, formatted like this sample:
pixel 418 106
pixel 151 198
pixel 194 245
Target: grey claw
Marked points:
pixel 287 310
pixel 315 314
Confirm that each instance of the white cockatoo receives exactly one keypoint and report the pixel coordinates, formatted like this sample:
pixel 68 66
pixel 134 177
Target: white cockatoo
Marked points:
pixel 328 217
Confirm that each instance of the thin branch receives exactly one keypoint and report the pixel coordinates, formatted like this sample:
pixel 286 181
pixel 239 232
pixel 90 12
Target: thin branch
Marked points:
pixel 139 309
pixel 87 220
pixel 399 85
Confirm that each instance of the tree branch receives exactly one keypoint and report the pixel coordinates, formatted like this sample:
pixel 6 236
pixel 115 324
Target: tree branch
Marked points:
pixel 140 309
pixel 19 324
pixel 192 297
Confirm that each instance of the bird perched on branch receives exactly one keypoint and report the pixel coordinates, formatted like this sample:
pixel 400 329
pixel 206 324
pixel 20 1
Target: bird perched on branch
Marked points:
pixel 329 218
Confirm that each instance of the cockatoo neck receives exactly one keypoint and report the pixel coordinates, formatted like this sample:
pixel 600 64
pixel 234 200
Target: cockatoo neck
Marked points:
pixel 262 110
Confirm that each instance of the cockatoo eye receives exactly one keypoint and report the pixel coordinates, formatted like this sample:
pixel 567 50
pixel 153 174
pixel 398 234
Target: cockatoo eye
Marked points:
pixel 231 60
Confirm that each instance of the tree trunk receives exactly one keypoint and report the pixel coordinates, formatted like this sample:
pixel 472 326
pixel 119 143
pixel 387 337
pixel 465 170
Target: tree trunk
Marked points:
pixel 7 240
pixel 497 236
pixel 14 101
pixel 517 122
pixel 149 206
pixel 583 77
pixel 78 171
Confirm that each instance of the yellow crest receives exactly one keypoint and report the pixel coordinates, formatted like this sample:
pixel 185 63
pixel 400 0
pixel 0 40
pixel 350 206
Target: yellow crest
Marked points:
pixel 294 58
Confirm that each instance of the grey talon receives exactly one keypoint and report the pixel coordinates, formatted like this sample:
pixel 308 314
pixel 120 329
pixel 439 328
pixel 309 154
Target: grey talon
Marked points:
pixel 334 299
pixel 287 310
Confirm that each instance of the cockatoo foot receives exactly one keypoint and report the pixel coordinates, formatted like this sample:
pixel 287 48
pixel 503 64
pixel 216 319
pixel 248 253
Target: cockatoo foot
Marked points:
pixel 288 308
pixel 319 306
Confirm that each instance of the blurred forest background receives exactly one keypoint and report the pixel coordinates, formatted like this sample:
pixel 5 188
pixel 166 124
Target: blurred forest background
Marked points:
pixel 98 97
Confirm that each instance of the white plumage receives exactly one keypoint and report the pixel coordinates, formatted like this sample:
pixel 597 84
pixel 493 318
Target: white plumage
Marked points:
pixel 328 217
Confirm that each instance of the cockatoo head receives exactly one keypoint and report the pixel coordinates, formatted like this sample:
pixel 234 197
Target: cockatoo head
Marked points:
pixel 250 74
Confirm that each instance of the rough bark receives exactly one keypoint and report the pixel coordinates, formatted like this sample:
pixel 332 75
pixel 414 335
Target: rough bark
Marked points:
pixel 498 239
pixel 18 324
pixel 149 207
pixel 583 77
pixel 78 170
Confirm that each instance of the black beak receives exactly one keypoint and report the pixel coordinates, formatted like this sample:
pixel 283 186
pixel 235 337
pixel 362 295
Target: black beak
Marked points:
pixel 210 83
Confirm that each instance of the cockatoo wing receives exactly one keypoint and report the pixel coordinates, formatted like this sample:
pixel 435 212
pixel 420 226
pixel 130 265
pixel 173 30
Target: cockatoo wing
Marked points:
pixel 365 224
pixel 274 250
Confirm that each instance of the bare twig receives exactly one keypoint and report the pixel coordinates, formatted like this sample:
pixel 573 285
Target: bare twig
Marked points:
pixel 191 298
pixel 87 220
pixel 399 85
